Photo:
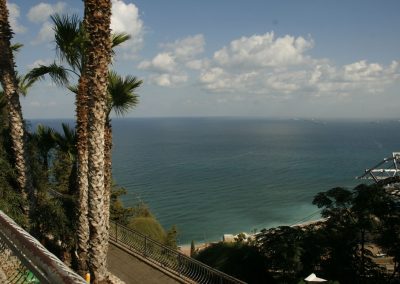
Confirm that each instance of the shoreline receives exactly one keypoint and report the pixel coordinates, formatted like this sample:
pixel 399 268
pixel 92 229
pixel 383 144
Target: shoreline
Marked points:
pixel 185 248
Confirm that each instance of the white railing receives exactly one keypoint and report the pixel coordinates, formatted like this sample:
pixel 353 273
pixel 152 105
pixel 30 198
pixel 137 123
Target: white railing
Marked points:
pixel 25 260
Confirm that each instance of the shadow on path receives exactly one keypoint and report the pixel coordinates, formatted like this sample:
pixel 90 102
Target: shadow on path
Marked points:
pixel 130 269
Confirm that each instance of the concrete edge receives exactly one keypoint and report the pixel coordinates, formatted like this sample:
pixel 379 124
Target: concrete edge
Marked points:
pixel 166 271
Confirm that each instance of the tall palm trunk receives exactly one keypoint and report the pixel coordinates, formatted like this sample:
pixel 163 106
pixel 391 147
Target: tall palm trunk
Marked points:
pixel 107 170
pixel 82 174
pixel 10 85
pixel 99 53
pixel 82 119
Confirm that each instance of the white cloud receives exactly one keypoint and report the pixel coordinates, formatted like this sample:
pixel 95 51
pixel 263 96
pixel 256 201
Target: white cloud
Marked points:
pixel 162 62
pixel 125 19
pixel 313 80
pixel 196 64
pixel 168 80
pixel 39 62
pixel 362 71
pixel 14 14
pixel 170 64
pixel 186 48
pixel 42 11
pixel 46 33
pixel 219 80
pixel 264 51
pixel 357 77
pixel 266 65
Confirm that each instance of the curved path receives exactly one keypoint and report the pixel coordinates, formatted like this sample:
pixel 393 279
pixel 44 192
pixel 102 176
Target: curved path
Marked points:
pixel 132 269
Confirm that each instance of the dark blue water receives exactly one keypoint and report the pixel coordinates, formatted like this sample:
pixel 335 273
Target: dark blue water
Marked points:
pixel 211 176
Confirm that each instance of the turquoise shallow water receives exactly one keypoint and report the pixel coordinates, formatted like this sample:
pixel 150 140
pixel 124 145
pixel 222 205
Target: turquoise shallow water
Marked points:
pixel 211 176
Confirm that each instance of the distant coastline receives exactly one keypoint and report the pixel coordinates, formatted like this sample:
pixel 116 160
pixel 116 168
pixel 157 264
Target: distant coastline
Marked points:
pixel 185 248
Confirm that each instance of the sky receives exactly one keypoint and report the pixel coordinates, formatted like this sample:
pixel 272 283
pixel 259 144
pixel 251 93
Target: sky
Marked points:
pixel 318 59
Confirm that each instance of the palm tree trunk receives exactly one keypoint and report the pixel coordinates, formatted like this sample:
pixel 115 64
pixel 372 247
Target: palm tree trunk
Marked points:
pixel 107 170
pixel 99 54
pixel 82 175
pixel 82 119
pixel 16 122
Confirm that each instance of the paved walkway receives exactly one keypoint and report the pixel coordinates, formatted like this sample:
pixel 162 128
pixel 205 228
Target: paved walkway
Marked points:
pixel 130 269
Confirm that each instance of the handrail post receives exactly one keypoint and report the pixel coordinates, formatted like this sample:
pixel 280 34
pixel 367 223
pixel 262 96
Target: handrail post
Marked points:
pixel 116 232
pixel 179 264
pixel 145 246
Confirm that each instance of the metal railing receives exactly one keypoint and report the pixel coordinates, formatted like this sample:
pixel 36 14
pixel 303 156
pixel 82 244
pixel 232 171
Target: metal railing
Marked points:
pixel 175 262
pixel 25 260
pixel 388 168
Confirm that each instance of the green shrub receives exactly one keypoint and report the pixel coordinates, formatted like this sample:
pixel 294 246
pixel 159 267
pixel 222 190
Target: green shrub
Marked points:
pixel 148 226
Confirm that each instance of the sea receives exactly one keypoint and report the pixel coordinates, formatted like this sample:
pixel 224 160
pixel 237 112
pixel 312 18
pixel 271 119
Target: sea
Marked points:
pixel 215 176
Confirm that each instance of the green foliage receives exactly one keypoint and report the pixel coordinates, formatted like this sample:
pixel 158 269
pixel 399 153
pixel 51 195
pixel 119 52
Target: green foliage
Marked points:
pixel 118 38
pixel 118 212
pixel 62 173
pixel 148 226
pixel 50 219
pixel 142 210
pixel 59 74
pixel 192 249
pixel 122 96
pixel 70 40
pixel 282 250
pixel 16 47
pixel 336 249
pixel 170 238
pixel 10 200
pixel 44 141
pixel 140 218
pixel 237 259
pixel 66 141
pixel 241 237
pixel 352 219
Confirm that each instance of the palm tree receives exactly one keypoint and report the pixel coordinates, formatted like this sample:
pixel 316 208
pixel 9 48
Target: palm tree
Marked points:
pixel 71 42
pixel 66 156
pixel 45 142
pixel 97 25
pixel 9 82
pixel 66 141
pixel 121 98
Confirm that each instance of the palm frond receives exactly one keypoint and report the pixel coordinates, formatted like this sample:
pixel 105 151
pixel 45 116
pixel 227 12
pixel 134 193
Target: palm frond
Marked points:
pixel 119 38
pixel 16 47
pixel 59 74
pixel 45 137
pixel 69 133
pixel 70 39
pixel 24 84
pixel 66 141
pixel 73 89
pixel 122 96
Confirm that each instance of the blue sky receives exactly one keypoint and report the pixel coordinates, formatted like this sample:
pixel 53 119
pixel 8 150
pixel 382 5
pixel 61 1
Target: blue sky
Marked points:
pixel 311 59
